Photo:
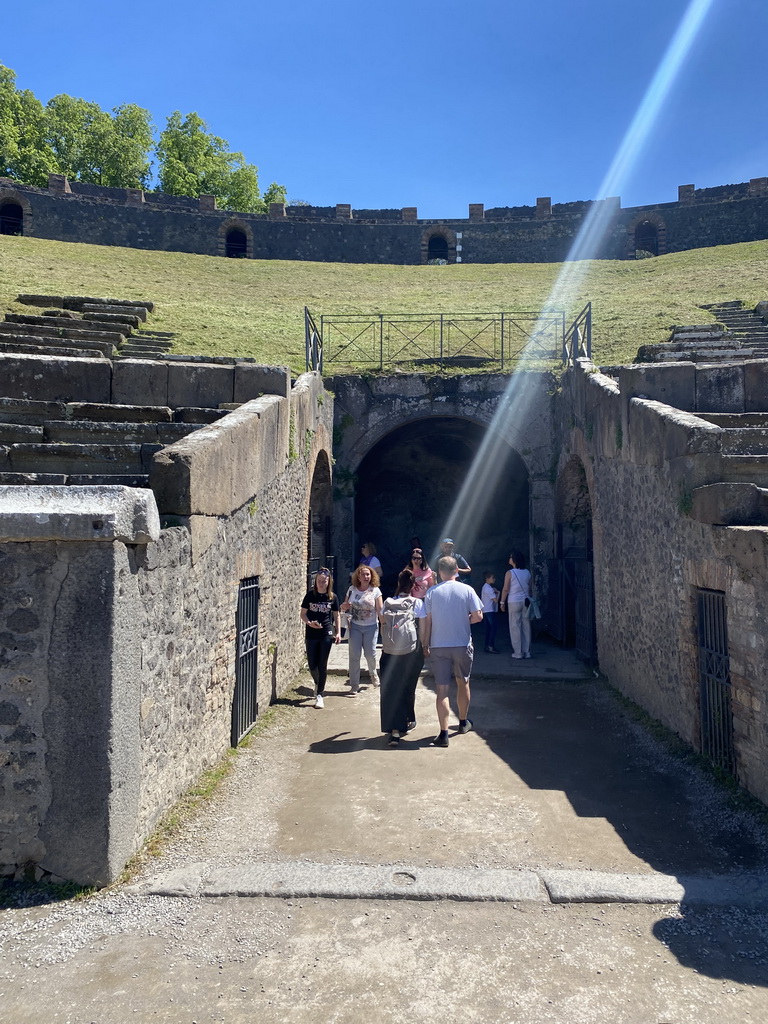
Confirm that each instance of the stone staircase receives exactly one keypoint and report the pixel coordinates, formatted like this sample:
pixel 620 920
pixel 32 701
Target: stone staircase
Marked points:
pixel 80 325
pixel 739 334
pixel 81 443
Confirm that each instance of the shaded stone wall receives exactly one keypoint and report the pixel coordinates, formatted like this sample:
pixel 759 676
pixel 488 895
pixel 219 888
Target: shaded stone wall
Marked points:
pixel 644 462
pixel 117 654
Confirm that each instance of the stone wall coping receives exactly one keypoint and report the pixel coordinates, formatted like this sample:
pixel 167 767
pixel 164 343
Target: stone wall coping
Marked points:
pixel 59 513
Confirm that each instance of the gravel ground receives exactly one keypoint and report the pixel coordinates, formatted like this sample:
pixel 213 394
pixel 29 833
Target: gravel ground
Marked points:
pixel 322 786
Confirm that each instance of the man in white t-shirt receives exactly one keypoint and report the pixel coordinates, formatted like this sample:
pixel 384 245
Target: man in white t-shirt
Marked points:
pixel 451 609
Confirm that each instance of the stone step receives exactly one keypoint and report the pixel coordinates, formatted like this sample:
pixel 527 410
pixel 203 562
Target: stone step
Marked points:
pixel 29 348
pixel 78 301
pixel 57 323
pixel 115 413
pixel 745 469
pixel 81 458
pixel 136 352
pixel 107 307
pixel 74 480
pixel 194 414
pixel 21 433
pixel 89 432
pixel 26 410
pixel 745 440
pixel 92 339
pixel 157 334
pixel 22 335
pixel 736 419
pixel 129 319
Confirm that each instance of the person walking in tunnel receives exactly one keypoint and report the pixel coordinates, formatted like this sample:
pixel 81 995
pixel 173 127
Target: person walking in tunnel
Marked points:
pixel 516 597
pixel 363 605
pixel 451 608
pixel 423 577
pixel 402 658
pixel 463 567
pixel 490 599
pixel 368 557
pixel 320 615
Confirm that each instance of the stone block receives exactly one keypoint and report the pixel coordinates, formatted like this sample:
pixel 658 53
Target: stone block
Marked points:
pixel 252 381
pixel 59 379
pixel 127 514
pixel 76 458
pixel 410 214
pixel 140 382
pixel 204 385
pixel 658 433
pixel 476 211
pixel 116 413
pixel 719 388
pixel 673 383
pixel 544 206
pixel 756 385
pixel 730 504
pixel 219 468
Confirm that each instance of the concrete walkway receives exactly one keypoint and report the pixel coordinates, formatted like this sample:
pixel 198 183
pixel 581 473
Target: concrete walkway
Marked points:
pixel 553 865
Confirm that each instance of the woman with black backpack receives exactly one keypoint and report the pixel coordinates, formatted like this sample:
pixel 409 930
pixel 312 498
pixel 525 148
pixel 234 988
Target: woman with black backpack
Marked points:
pixel 402 658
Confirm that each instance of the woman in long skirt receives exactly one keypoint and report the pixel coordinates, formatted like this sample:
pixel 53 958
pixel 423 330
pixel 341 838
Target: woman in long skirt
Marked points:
pixel 402 658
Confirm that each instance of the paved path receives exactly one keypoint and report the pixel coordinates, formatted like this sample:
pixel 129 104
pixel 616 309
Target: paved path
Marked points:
pixel 553 865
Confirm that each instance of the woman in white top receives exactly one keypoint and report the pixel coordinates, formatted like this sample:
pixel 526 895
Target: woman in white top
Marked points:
pixel 516 596
pixel 363 605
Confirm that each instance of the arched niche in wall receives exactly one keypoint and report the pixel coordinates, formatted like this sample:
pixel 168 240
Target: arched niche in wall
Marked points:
pixel 236 240
pixel 15 214
pixel 646 235
pixel 438 245
pixel 320 506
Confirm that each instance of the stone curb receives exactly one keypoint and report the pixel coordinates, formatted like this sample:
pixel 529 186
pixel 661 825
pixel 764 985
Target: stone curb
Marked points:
pixel 352 881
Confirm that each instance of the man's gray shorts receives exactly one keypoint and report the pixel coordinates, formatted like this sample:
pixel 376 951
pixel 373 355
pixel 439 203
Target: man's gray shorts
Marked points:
pixel 447 662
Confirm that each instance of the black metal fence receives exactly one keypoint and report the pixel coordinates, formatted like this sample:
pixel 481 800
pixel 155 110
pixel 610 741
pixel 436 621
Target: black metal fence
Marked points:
pixel 438 339
pixel 577 340
pixel 329 562
pixel 715 680
pixel 245 707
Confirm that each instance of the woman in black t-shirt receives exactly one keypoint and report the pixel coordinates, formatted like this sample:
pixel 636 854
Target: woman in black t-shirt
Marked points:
pixel 320 615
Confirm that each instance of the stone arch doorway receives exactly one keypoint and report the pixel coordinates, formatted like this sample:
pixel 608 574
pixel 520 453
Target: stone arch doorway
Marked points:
pixel 319 514
pixel 11 219
pixel 647 238
pixel 438 245
pixel 236 244
pixel 572 574
pixel 437 248
pixel 408 482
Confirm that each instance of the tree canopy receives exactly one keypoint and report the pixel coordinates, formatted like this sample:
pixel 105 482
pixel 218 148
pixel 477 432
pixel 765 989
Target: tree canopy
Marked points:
pixel 76 137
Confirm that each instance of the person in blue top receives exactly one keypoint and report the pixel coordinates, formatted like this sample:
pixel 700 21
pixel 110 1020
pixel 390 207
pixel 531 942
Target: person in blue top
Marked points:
pixel 451 608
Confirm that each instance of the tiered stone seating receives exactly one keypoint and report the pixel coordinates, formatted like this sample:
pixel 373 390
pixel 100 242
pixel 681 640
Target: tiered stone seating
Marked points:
pixel 88 443
pixel 739 334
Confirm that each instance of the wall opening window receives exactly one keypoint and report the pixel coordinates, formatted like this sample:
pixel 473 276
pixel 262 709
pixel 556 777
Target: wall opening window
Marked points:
pixel 437 248
pixel 236 244
pixel 11 219
pixel 646 239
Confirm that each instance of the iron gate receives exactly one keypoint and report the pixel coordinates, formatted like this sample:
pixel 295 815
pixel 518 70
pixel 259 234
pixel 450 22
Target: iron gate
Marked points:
pixel 715 681
pixel 572 611
pixel 245 706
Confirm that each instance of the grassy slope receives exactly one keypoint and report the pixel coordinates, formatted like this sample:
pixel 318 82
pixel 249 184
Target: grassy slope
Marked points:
pixel 250 307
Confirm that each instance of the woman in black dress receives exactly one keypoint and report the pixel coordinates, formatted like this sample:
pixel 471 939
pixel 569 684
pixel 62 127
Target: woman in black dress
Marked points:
pixel 320 615
pixel 402 658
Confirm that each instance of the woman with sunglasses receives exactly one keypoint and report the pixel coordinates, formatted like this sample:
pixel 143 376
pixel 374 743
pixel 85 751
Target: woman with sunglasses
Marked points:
pixel 363 605
pixel 423 577
pixel 320 615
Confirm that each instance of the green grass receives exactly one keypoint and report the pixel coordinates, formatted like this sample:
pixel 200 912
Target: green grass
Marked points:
pixel 255 307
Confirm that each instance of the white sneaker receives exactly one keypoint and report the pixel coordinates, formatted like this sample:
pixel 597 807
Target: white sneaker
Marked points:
pixel 375 678
pixel 319 703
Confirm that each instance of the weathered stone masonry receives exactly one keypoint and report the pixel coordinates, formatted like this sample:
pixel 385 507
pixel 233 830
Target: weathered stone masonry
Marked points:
pixel 74 212
pixel 118 652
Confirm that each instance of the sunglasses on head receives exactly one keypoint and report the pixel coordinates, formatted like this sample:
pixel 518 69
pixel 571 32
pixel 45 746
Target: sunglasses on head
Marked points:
pixel 323 572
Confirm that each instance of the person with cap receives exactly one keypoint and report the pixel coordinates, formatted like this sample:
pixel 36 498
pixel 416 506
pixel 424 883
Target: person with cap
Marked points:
pixel 463 566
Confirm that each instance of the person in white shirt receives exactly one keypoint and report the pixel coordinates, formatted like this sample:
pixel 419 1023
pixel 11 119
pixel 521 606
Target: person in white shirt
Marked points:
pixel 516 596
pixel 489 595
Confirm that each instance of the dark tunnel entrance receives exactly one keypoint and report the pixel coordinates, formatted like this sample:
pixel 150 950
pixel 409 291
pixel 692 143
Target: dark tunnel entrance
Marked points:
pixel 408 482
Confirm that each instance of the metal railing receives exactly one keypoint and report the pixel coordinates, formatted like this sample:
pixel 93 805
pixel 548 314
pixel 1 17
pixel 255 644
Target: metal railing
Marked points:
pixel 313 342
pixel 313 564
pixel 439 339
pixel 577 340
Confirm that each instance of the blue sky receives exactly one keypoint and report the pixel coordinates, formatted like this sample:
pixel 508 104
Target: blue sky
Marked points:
pixel 426 104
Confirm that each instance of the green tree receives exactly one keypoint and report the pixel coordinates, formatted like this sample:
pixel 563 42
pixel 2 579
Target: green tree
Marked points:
pixel 97 147
pixel 24 151
pixel 193 162
pixel 275 194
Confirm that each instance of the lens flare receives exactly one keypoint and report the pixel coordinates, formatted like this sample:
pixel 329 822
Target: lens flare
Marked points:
pixel 513 408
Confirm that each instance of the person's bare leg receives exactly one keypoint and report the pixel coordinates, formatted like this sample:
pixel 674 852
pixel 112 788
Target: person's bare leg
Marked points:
pixel 462 696
pixel 443 706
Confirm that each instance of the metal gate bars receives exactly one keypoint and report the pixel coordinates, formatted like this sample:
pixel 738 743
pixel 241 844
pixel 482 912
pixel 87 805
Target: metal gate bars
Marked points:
pixel 245 706
pixel 715 681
